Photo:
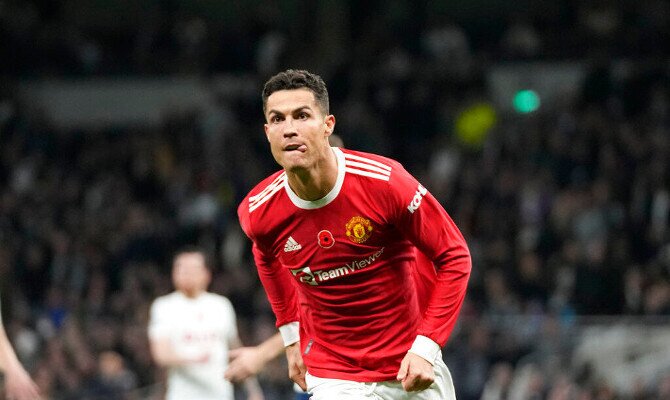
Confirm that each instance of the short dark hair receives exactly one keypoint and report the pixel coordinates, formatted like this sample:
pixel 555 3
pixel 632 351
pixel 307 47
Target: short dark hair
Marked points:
pixel 188 249
pixel 297 79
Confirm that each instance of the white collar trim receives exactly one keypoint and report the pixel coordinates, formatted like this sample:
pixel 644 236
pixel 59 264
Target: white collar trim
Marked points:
pixel 328 198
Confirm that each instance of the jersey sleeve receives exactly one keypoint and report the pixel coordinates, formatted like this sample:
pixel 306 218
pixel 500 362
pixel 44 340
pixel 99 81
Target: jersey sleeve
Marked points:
pixel 276 281
pixel 278 286
pixel 428 226
pixel 159 320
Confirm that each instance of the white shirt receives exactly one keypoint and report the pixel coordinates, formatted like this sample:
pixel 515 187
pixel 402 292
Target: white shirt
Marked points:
pixel 203 325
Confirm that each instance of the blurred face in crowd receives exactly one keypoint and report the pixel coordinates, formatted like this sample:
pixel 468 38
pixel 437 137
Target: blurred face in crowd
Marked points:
pixel 190 274
pixel 297 129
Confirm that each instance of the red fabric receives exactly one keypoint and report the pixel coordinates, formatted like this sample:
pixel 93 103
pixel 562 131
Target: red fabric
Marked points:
pixel 358 306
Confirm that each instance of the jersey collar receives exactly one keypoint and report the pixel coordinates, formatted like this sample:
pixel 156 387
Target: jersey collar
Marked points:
pixel 325 200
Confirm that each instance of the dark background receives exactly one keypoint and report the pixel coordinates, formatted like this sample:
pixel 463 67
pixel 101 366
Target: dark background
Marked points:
pixel 129 128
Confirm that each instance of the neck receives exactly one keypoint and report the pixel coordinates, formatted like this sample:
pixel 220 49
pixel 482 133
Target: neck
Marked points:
pixel 191 294
pixel 316 182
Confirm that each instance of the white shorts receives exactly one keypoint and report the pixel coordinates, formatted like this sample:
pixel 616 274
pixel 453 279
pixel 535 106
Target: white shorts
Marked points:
pixel 339 389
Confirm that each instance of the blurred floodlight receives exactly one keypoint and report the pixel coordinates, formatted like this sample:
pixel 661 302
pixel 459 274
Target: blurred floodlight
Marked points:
pixel 474 124
pixel 526 101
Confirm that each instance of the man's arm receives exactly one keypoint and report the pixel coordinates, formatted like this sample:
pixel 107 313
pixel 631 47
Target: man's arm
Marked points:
pixel 164 354
pixel 283 299
pixel 434 233
pixel 253 389
pixel 249 361
pixel 276 281
pixel 281 294
pixel 18 385
pixel 279 288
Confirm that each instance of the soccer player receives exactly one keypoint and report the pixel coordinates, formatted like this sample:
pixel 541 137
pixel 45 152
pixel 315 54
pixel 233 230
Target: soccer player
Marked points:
pixel 191 332
pixel 18 385
pixel 337 236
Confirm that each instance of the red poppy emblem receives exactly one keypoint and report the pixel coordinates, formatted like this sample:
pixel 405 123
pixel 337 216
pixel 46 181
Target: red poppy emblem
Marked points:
pixel 326 239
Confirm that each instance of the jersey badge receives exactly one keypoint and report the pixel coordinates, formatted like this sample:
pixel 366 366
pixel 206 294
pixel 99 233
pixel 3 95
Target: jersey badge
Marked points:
pixel 326 239
pixel 416 200
pixel 359 229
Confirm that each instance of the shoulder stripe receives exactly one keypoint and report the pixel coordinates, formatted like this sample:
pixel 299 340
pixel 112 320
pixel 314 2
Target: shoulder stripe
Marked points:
pixel 371 168
pixel 367 173
pixel 269 187
pixel 257 204
pixel 268 192
pixel 367 161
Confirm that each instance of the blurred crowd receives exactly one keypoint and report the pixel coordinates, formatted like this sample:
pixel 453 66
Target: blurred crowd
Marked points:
pixel 566 210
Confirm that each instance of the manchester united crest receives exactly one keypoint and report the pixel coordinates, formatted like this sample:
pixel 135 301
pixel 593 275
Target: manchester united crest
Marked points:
pixel 359 229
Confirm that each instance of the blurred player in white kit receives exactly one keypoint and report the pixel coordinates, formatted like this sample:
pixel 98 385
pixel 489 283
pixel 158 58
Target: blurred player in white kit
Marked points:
pixel 191 331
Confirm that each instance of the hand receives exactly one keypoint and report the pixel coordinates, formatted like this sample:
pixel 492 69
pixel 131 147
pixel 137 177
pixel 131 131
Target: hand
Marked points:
pixel 296 367
pixel 19 386
pixel 415 373
pixel 244 363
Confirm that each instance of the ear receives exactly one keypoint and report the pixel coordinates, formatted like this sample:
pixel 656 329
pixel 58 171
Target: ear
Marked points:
pixel 266 129
pixel 330 125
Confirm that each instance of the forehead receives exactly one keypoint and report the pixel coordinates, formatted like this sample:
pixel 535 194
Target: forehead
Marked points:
pixel 188 259
pixel 285 101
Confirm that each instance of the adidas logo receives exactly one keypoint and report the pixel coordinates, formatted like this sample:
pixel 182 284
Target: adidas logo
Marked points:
pixel 291 245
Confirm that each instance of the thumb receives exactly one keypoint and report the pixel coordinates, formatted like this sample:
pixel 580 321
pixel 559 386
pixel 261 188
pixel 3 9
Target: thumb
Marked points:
pixel 402 372
pixel 302 383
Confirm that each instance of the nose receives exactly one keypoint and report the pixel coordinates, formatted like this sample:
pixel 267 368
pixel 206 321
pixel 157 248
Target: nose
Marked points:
pixel 289 128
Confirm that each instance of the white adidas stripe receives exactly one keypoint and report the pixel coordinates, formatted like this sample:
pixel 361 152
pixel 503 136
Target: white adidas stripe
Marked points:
pixel 279 180
pixel 254 204
pixel 367 173
pixel 367 161
pixel 269 187
pixel 269 192
pixel 364 166
pixel 257 204
pixel 371 168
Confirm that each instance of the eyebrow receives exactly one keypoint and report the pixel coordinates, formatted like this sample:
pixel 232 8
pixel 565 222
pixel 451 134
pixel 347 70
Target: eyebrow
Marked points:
pixel 293 111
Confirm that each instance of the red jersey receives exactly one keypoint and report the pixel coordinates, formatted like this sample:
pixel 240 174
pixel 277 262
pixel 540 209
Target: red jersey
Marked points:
pixel 345 266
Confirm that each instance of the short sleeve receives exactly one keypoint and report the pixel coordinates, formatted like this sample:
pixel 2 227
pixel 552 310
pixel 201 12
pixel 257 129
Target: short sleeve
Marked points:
pixel 230 318
pixel 159 320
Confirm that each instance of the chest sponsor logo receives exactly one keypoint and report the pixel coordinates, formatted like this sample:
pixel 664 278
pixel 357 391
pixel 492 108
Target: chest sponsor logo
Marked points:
pixel 359 229
pixel 200 337
pixel 313 278
pixel 304 275
pixel 416 200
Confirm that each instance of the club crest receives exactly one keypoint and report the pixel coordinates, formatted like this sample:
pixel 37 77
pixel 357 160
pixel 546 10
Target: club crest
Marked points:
pixel 359 229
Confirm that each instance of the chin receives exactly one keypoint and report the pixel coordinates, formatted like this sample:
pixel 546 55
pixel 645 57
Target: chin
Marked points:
pixel 294 165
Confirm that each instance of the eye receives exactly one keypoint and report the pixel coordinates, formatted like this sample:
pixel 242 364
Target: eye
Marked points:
pixel 303 115
pixel 276 119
